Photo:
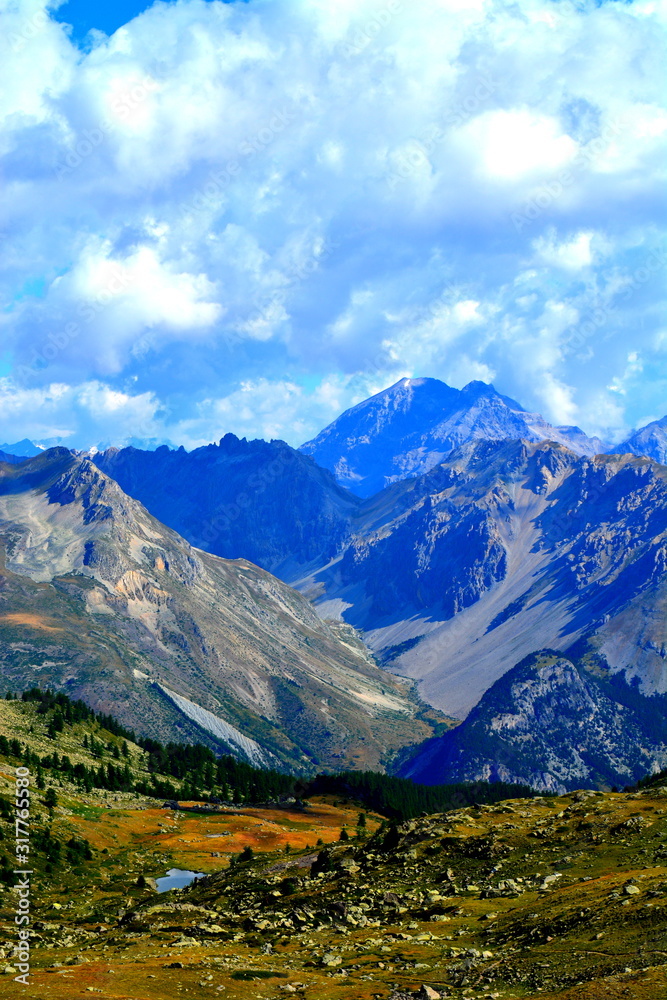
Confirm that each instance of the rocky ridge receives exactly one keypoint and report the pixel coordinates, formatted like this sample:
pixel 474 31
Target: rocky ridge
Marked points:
pixel 650 440
pixel 554 725
pixel 100 599
pixel 256 500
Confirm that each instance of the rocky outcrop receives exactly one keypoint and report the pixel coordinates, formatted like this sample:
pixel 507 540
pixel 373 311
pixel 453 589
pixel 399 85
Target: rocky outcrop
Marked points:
pixel 553 724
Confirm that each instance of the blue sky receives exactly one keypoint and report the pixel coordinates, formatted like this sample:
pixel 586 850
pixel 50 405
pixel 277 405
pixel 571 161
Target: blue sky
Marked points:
pixel 249 216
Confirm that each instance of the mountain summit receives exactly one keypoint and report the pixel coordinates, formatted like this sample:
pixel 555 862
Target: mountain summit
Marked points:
pixel 412 426
pixel 650 440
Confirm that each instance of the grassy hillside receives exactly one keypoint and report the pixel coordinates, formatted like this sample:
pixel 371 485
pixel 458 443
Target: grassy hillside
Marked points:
pixel 561 897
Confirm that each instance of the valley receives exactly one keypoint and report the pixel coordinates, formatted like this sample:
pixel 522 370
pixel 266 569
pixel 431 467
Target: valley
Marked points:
pixel 557 896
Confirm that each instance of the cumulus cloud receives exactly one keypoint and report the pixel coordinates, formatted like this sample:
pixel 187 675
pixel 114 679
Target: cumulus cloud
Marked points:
pixel 239 212
pixel 82 415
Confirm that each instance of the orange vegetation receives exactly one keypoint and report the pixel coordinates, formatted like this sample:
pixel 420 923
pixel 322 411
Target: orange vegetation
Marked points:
pixel 32 621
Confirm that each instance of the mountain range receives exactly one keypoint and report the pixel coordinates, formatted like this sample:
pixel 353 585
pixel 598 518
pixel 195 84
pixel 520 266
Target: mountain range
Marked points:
pixel 474 536
pixel 99 599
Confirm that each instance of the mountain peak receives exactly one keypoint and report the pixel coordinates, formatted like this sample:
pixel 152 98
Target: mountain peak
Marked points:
pixel 413 425
pixel 21 449
pixel 650 441
pixel 479 388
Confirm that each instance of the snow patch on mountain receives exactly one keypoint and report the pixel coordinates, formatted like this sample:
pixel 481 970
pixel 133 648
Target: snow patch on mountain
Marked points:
pixel 222 730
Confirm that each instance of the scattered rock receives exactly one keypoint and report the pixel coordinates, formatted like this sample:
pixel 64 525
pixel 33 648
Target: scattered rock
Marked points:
pixel 427 993
pixel 330 960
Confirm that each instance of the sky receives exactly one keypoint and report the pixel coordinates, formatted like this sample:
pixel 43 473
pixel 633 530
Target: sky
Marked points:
pixel 248 216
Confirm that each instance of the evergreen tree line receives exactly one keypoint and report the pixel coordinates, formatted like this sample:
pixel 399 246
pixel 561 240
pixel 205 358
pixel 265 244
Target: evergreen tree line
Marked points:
pixel 201 775
pixel 401 799
pixel 67 711
pixel 223 777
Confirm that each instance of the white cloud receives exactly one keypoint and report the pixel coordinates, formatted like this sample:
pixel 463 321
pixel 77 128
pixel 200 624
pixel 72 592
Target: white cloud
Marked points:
pixel 272 409
pixel 516 144
pixel 60 411
pixel 571 255
pixel 235 191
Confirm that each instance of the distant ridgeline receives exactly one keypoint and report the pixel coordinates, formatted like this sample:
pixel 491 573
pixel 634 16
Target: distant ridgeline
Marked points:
pixel 114 760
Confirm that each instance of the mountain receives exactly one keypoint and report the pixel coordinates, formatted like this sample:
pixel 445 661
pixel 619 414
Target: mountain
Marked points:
pixel 22 449
pixel 409 428
pixel 457 575
pixel 11 459
pixel 650 441
pixel 256 500
pixel 99 599
pixel 504 549
pixel 554 723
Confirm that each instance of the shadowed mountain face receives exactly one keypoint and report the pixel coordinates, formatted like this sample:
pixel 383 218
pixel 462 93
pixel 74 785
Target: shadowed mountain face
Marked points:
pixel 650 441
pixel 412 426
pixel 506 548
pixel 100 599
pixel 255 500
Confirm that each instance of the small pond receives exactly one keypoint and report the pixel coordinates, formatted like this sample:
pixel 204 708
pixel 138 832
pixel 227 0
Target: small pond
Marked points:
pixel 176 878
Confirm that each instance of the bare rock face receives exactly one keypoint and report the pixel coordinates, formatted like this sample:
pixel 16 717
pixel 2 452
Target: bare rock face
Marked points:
pixel 504 548
pixel 99 599
pixel 554 724
pixel 650 441
pixel 411 427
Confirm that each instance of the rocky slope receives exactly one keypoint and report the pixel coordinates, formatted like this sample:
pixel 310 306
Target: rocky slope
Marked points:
pixel 100 599
pixel 479 902
pixel 255 500
pixel 555 725
pixel 455 576
pixel 504 549
pixel 650 441
pixel 412 426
